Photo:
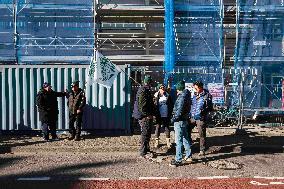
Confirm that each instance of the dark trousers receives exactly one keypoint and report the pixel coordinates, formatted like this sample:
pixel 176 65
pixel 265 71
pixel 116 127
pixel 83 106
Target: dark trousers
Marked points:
pixel 165 122
pixel 146 129
pixel 201 126
pixel 49 127
pixel 75 119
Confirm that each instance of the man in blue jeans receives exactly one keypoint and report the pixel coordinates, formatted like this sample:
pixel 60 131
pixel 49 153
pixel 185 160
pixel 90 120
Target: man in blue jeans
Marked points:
pixel 179 118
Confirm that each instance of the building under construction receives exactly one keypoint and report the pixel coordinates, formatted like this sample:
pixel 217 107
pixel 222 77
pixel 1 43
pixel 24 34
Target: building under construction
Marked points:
pixel 236 47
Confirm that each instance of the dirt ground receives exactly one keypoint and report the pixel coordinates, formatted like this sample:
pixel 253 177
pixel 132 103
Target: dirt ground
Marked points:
pixel 255 152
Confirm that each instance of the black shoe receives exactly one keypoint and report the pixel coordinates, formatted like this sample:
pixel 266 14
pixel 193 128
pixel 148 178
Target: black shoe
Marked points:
pixel 71 138
pixel 45 139
pixel 175 163
pixel 147 148
pixel 55 139
pixel 77 138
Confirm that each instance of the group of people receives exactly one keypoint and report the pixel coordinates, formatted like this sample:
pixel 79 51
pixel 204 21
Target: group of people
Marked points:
pixel 47 104
pixel 185 113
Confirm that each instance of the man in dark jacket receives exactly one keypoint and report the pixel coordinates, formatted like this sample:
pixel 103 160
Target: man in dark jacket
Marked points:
pixel 201 106
pixel 179 118
pixel 144 110
pixel 164 108
pixel 76 103
pixel 47 104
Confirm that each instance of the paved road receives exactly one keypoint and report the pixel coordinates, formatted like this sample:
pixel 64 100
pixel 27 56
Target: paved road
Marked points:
pixel 228 183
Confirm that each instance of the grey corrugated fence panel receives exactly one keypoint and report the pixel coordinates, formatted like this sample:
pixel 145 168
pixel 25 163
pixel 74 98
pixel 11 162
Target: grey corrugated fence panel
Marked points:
pixel 106 109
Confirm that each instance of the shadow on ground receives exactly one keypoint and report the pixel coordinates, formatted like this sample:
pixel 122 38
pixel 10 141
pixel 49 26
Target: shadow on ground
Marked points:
pixel 64 171
pixel 232 145
pixel 8 141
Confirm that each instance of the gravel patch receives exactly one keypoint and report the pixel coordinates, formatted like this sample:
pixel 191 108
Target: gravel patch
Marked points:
pixel 117 157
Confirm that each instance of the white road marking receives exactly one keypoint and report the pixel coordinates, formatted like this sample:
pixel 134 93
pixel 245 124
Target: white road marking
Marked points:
pixel 213 177
pixel 258 183
pixel 98 179
pixel 276 183
pixel 152 178
pixel 260 177
pixel 35 178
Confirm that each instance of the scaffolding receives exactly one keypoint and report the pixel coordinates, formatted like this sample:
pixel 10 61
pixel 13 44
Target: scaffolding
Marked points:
pixel 251 71
pixel 131 31
pixel 259 52
pixel 46 32
pixel 198 35
pixel 237 44
pixel 258 58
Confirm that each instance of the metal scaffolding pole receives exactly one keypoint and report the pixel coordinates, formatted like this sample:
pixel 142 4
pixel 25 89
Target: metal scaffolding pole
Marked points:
pixel 236 53
pixel 16 35
pixel 221 41
pixel 169 40
pixel 95 30
pixel 239 75
pixel 241 104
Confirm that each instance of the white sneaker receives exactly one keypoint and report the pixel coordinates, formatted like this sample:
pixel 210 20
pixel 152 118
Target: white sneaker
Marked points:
pixel 188 159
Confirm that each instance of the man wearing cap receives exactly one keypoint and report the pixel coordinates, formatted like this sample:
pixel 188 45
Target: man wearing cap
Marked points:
pixel 47 104
pixel 76 103
pixel 179 119
pixel 143 111
pixel 164 108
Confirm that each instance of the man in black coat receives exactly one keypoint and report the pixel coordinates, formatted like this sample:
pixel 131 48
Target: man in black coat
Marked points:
pixel 47 104
pixel 144 110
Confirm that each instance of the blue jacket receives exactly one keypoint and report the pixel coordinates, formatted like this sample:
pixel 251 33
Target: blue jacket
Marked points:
pixel 201 105
pixel 181 107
